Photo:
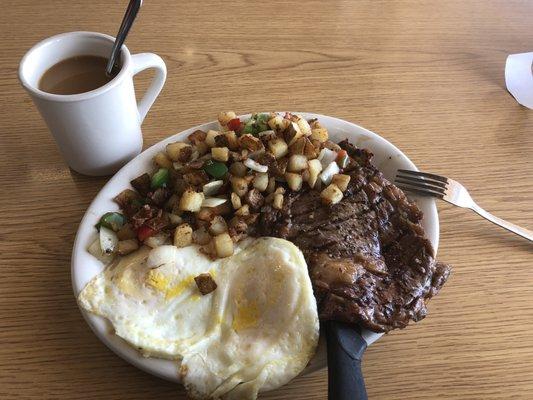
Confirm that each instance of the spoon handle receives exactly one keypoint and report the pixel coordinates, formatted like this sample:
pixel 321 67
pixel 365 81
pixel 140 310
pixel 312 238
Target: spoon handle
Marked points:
pixel 345 351
pixel 127 22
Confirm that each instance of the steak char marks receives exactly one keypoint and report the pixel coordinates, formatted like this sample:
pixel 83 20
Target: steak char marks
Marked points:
pixel 369 259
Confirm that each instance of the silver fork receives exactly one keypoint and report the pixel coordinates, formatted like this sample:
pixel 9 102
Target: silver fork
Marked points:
pixel 453 192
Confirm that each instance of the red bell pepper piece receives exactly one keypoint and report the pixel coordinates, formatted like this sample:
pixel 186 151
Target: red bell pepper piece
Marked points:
pixel 235 125
pixel 144 232
pixel 342 159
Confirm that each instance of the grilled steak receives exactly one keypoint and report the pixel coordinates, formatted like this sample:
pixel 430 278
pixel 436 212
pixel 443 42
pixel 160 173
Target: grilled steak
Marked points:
pixel 369 259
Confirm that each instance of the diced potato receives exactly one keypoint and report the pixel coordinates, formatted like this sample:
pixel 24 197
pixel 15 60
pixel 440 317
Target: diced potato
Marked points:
pixel 278 147
pixel 332 146
pixel 249 178
pixel 260 182
pixel 159 239
pixel 292 133
pixel 280 189
pixel 254 199
pixel 277 203
pixel 269 198
pixel 271 185
pixel 235 201
pixel 124 198
pixel 226 116
pixel 197 177
pixel 315 124
pixel 278 123
pixel 310 151
pixel 317 145
pixel 205 214
pixel 218 225
pixel 179 151
pixel 205 283
pixel 331 194
pixel 201 148
pixel 223 209
pixel 238 169
pixel 297 163
pixel 175 219
pixel 126 232
pixel 320 134
pixel 243 211
pixel 233 141
pixel 239 185
pixel 128 246
pixel 265 136
pixel 250 142
pixel 302 124
pixel 281 167
pixel 96 251
pixel 220 153
pixel 195 154
pixel 221 140
pixel 305 175
pixel 209 249
pixel 197 137
pixel 341 180
pixel 172 203
pixel 201 236
pixel 294 181
pixel 298 146
pixel 223 245
pixel 163 161
pixel 191 201
pixel 210 138
pixel 183 235
pixel 315 166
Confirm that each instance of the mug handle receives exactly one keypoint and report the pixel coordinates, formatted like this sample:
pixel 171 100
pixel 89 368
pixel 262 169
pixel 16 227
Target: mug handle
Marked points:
pixel 144 61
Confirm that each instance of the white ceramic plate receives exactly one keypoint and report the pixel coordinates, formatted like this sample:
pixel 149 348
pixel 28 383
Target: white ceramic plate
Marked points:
pixel 84 266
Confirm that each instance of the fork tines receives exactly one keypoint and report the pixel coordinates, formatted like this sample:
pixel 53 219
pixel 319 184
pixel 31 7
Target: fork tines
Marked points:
pixel 421 183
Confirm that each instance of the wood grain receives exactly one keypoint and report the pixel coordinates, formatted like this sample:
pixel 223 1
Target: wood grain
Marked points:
pixel 426 75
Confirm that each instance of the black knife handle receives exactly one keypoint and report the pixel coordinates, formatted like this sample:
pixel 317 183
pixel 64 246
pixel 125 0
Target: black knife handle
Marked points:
pixel 345 351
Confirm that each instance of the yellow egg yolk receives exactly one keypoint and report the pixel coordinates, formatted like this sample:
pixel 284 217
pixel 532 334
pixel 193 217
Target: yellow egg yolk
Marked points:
pixel 246 316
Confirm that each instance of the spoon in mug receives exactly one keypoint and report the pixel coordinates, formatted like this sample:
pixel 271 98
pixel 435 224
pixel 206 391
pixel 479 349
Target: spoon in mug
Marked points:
pixel 127 22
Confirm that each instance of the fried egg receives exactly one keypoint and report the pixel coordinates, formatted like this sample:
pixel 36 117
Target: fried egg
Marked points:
pixel 255 332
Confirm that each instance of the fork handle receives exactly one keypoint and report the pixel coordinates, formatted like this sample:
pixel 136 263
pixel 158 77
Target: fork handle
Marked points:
pixel 525 233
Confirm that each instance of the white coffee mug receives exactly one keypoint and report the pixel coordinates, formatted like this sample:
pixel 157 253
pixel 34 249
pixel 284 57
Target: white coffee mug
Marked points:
pixel 98 131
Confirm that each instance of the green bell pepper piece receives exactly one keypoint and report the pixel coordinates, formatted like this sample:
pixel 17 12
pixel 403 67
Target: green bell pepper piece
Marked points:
pixel 160 178
pixel 257 123
pixel 216 169
pixel 112 220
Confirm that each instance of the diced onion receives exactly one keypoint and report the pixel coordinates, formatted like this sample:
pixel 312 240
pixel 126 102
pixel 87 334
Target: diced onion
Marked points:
pixel 108 240
pixel 327 174
pixel 213 202
pixel 326 156
pixel 255 166
pixel 212 188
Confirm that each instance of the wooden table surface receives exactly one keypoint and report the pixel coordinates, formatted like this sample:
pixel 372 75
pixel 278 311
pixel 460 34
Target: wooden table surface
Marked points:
pixel 426 75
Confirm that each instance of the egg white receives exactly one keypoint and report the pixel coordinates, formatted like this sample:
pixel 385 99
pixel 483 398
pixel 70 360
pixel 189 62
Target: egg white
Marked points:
pixel 255 332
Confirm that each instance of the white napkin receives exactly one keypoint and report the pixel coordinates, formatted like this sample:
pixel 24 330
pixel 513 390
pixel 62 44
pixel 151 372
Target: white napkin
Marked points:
pixel 519 78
